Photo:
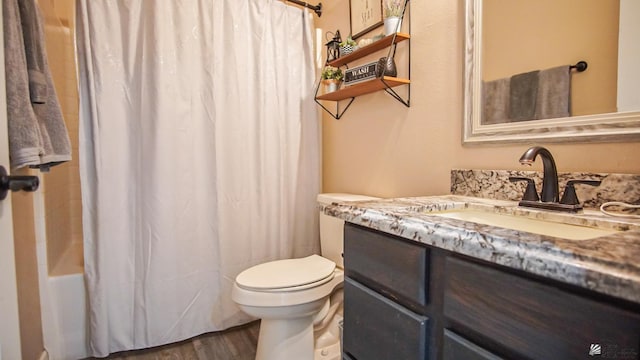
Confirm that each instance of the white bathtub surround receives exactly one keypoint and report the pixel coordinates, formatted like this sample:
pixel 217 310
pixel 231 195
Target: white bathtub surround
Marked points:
pixel 63 297
pixel 200 149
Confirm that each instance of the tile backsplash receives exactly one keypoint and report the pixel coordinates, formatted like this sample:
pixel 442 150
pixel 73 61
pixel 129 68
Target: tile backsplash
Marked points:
pixel 495 184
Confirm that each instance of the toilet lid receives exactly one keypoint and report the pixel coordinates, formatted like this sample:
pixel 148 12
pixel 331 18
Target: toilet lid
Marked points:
pixel 286 273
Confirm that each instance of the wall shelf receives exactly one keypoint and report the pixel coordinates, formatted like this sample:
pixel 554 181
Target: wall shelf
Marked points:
pixel 347 94
pixel 362 88
pixel 370 49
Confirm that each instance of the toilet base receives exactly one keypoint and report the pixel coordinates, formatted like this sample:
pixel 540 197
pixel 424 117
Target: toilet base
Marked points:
pixel 285 339
pixel 331 352
pixel 287 318
pixel 327 342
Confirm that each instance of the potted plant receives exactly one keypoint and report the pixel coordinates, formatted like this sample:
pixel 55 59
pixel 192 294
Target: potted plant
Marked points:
pixel 393 10
pixel 348 46
pixel 331 77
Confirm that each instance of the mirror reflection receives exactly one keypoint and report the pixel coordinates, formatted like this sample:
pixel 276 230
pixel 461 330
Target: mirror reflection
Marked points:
pixel 523 41
pixel 521 75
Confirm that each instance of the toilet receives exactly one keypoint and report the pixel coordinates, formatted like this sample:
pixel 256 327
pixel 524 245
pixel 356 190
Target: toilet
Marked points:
pixel 293 296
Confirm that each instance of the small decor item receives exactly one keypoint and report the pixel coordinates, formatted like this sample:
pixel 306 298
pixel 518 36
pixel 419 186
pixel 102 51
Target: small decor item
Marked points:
pixel 333 46
pixel 366 15
pixel 378 37
pixel 348 46
pixel 364 42
pixel 393 11
pixel 387 67
pixel 331 78
pixel 361 73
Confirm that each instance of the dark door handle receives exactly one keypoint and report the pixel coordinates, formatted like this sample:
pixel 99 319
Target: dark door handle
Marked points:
pixel 16 183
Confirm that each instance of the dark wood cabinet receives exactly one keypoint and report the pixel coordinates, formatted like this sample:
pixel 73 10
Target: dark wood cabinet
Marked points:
pixel 376 327
pixel 455 347
pixel 419 302
pixel 386 285
pixel 533 319
pixel 397 268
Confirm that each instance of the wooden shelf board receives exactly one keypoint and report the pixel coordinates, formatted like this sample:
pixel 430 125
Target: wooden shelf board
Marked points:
pixel 364 51
pixel 362 88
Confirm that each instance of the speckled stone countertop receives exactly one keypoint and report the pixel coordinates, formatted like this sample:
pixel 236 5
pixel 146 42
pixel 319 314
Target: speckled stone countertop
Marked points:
pixel 608 264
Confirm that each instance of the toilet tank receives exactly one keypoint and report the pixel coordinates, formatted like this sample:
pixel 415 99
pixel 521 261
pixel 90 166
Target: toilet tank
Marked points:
pixel 332 229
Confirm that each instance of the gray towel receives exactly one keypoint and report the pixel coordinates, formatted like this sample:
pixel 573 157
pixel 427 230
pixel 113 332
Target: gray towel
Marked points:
pixel 495 101
pixel 554 93
pixel 34 51
pixel 523 92
pixel 37 133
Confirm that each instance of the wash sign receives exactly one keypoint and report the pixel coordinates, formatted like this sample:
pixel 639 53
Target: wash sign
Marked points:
pixel 361 73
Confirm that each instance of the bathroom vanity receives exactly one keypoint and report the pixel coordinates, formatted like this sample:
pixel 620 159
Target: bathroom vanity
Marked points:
pixel 420 285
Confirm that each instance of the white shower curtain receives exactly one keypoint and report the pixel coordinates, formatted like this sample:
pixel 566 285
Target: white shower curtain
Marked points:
pixel 199 150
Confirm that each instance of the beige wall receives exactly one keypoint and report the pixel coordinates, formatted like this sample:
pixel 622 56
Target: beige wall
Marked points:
pixel 382 148
pixel 63 203
pixel 524 35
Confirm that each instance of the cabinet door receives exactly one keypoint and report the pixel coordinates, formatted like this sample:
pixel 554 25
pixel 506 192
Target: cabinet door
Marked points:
pixel 347 357
pixel 535 319
pixel 376 328
pixel 458 348
pixel 389 265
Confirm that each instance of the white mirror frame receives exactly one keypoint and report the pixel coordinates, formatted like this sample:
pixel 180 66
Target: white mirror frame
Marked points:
pixel 622 126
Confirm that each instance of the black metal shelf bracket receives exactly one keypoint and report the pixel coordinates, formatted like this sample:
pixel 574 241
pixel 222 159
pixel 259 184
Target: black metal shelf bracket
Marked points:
pixel 338 114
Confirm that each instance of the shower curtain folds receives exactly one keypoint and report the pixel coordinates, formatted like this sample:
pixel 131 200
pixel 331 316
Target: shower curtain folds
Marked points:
pixel 199 158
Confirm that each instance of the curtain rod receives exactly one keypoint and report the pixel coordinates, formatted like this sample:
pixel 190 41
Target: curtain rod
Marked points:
pixel 316 8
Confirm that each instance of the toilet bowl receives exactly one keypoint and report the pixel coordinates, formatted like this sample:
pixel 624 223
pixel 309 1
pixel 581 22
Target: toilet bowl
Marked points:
pixel 291 296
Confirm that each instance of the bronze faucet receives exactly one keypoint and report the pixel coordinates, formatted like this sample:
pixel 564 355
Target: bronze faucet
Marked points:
pixel 550 192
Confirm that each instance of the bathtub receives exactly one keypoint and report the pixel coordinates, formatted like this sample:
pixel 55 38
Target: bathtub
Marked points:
pixel 63 300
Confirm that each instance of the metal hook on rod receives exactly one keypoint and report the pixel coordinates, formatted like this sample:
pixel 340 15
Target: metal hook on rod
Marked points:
pixel 580 66
pixel 316 8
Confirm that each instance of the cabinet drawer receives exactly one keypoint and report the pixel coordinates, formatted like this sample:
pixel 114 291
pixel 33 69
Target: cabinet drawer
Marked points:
pixel 392 266
pixel 377 328
pixel 456 347
pixel 534 319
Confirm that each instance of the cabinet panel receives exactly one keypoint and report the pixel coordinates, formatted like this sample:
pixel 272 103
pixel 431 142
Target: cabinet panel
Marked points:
pixel 536 320
pixel 458 348
pixel 377 328
pixel 389 265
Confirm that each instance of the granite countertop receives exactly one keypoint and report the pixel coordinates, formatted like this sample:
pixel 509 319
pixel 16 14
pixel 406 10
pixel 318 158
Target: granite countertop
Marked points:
pixel 608 264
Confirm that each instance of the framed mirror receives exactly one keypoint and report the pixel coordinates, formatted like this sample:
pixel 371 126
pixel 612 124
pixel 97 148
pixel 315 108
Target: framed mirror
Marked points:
pixel 618 119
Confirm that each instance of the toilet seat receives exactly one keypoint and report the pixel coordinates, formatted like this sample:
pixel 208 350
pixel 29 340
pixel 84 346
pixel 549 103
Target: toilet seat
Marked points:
pixel 287 275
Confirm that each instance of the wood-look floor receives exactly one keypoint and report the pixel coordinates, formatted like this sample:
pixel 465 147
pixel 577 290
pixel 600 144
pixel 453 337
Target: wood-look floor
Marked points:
pixel 238 343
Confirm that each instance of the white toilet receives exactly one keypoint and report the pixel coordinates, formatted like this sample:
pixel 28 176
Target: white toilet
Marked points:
pixel 291 296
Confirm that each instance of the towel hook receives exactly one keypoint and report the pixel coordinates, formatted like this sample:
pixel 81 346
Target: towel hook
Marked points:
pixel 580 66
pixel 16 183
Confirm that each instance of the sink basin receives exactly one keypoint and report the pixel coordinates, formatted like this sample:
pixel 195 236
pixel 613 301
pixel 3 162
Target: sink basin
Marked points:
pixel 535 226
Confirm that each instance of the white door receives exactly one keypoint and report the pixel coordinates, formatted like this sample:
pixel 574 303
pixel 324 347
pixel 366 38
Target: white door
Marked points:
pixel 9 323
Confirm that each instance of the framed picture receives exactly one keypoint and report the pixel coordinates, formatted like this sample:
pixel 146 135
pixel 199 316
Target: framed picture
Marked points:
pixel 366 15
